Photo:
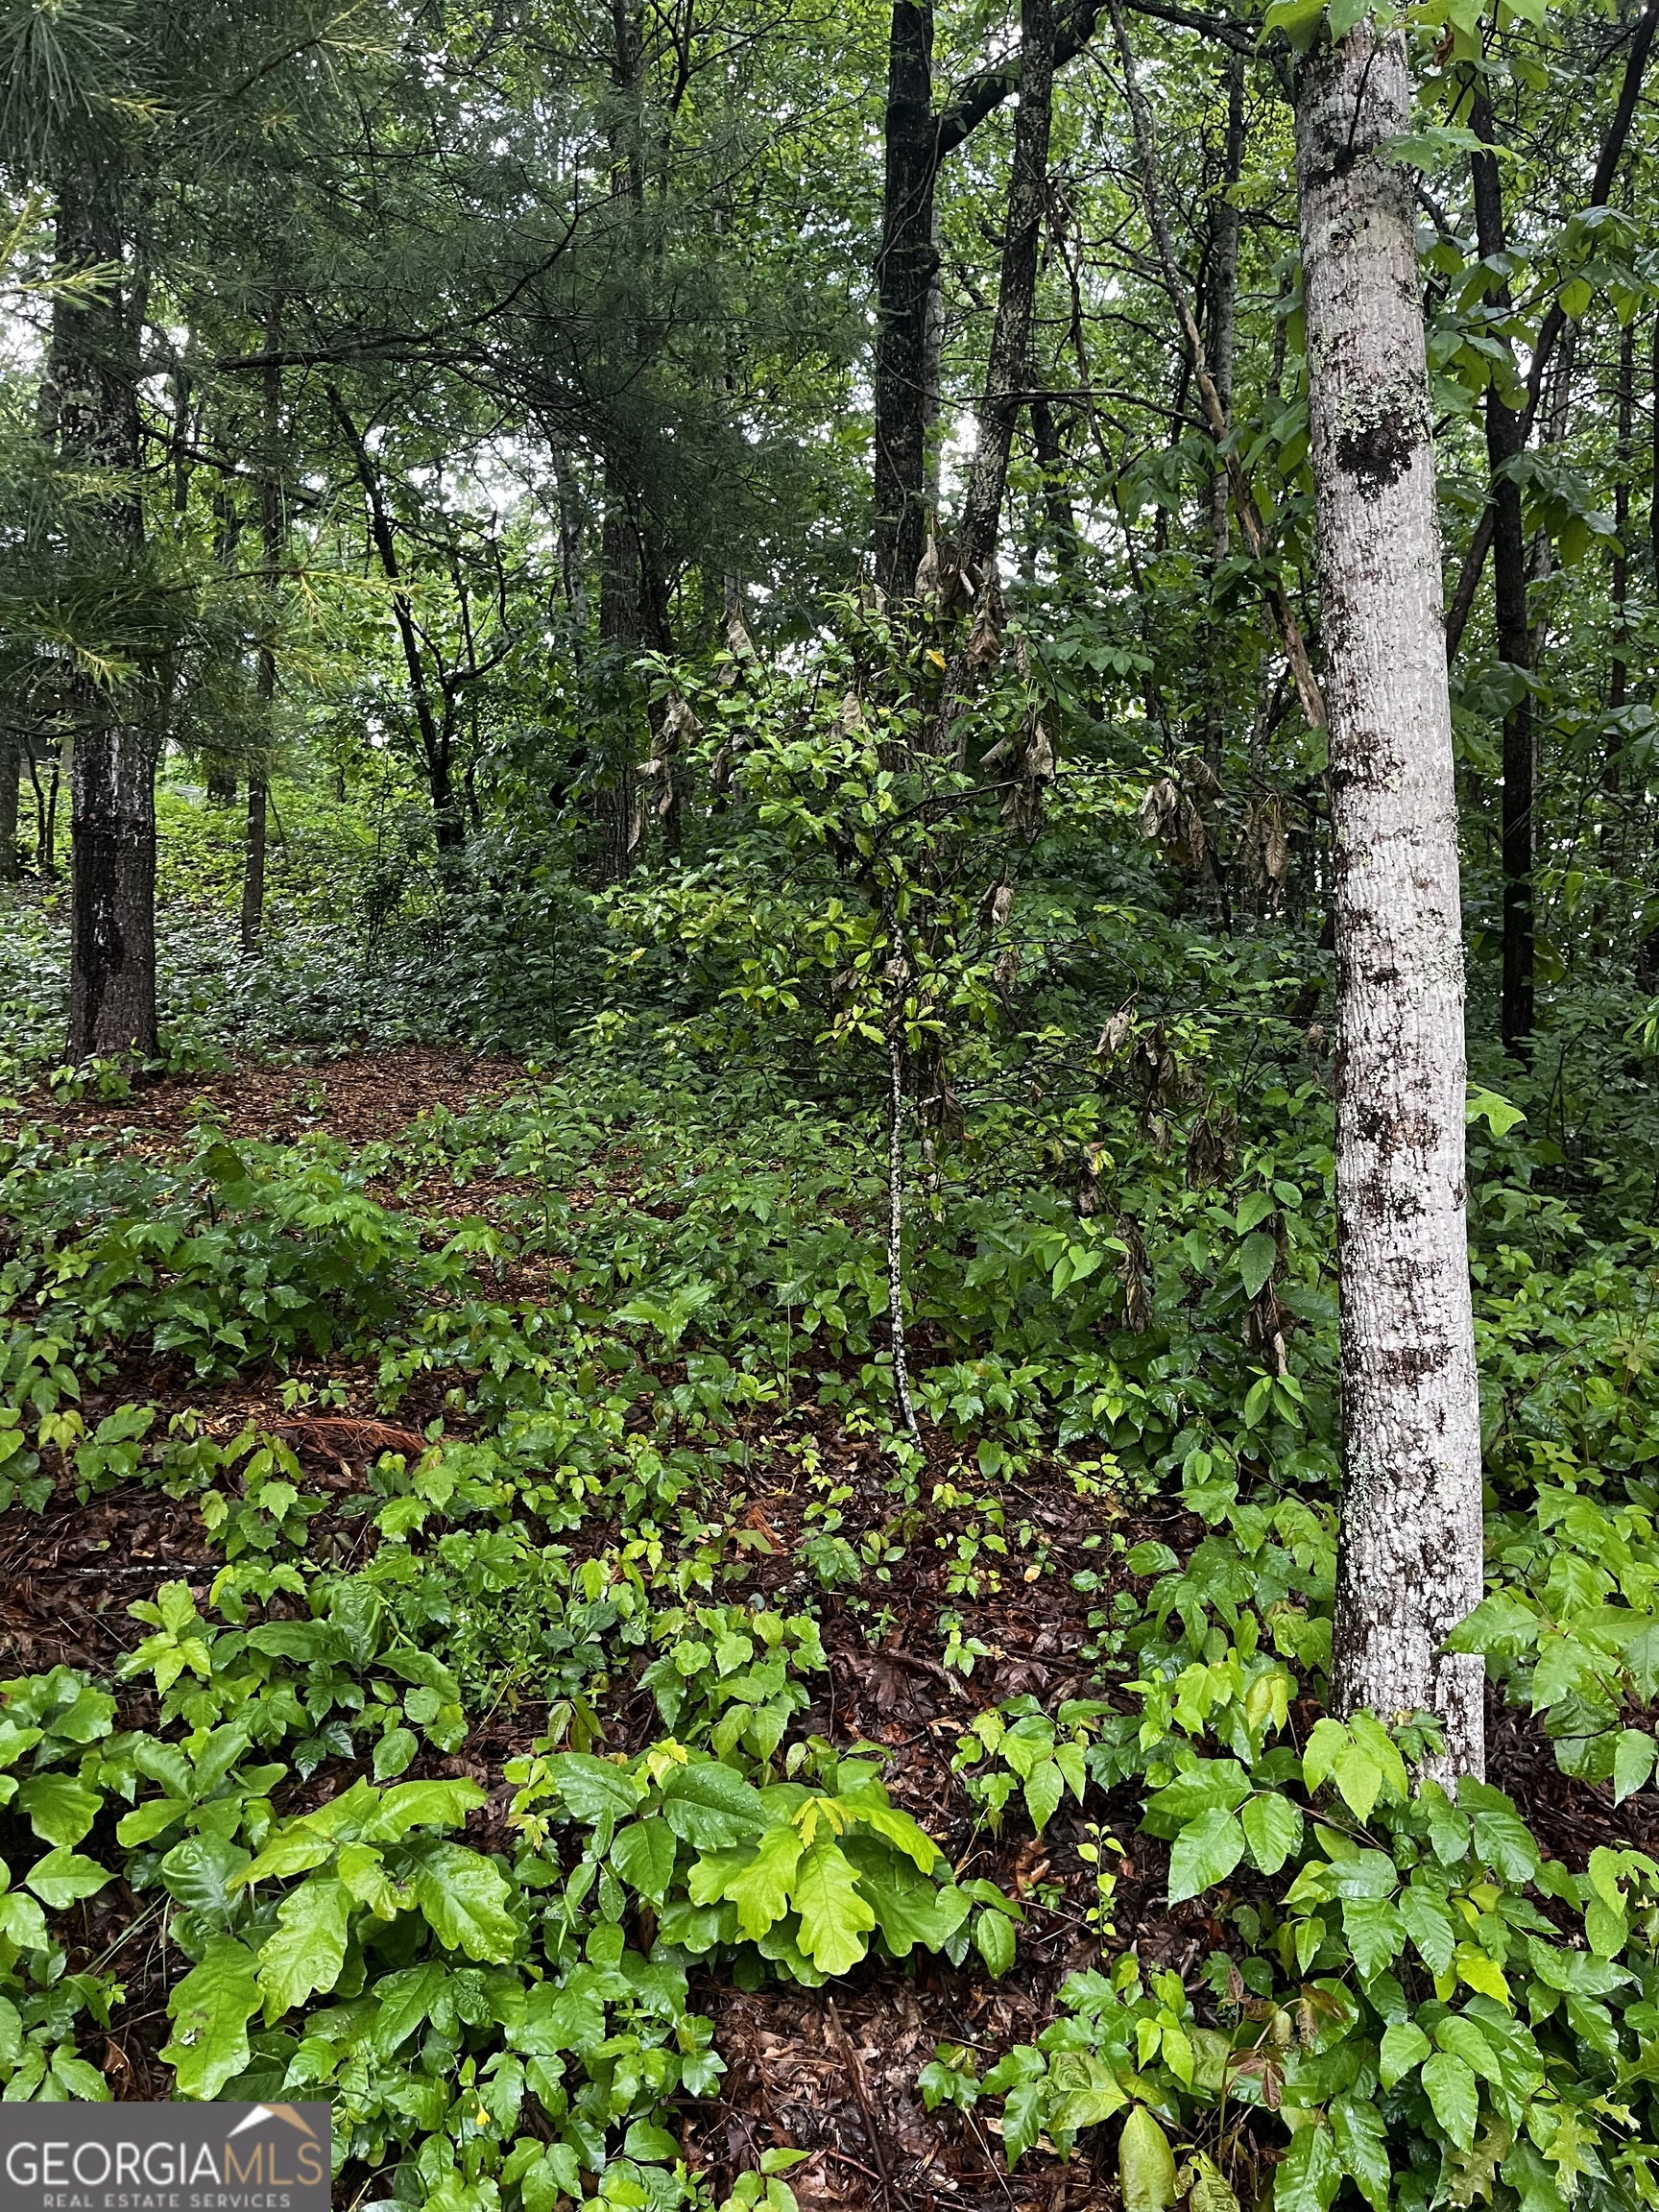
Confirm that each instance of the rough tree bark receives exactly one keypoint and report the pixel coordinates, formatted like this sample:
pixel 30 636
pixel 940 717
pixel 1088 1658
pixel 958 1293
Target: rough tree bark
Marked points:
pixel 1016 293
pixel 1619 675
pixel 1409 1557
pixel 917 140
pixel 93 371
pixel 1506 437
pixel 905 271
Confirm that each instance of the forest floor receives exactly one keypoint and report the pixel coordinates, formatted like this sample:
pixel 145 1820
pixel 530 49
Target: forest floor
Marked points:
pixel 832 2071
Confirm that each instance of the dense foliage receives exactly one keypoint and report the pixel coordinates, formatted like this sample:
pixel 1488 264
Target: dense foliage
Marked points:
pixel 719 1135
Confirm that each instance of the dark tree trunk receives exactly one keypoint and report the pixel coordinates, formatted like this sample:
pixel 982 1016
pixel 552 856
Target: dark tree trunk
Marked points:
pixel 1506 437
pixel 1016 293
pixel 1062 524
pixel 94 378
pixel 221 781
pixel 904 273
pixel 10 780
pixel 620 818
pixel 432 726
pixel 1619 676
pixel 1222 313
pixel 273 531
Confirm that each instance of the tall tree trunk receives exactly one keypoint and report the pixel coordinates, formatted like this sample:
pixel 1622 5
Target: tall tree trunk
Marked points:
pixel 621 613
pixel 1410 1558
pixel 1619 676
pixel 1221 319
pixel 904 273
pixel 94 375
pixel 273 532
pixel 1016 293
pixel 432 719
pixel 1506 437
pixel 11 782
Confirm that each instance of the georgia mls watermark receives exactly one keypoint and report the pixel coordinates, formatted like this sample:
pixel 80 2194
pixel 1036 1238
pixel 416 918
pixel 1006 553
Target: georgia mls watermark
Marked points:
pixel 164 2158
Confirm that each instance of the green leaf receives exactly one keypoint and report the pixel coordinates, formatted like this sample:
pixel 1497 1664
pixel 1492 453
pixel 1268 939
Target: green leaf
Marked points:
pixel 1430 1927
pixel 418 1805
pixel 61 1809
pixel 1273 1829
pixel 1205 1852
pixel 393 1752
pixel 760 1888
pixel 1361 2144
pixel 1045 1787
pixel 994 1939
pixel 1309 2174
pixel 1453 2096
pixel 1258 1255
pixel 834 1917
pixel 1632 1761
pixel 590 1788
pixel 1501 1837
pixel 643 1855
pixel 1489 1107
pixel 464 1900
pixel 1359 1778
pixel 709 1806
pixel 64 1877
pixel 1342 15
pixel 308 1947
pixel 1374 1933
pixel 1146 2164
pixel 1404 2046
pixel 210 2008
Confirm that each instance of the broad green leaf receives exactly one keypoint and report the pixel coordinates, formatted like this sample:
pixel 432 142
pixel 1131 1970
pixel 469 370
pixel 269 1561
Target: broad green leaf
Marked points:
pixel 465 1900
pixel 1272 1828
pixel 994 1939
pixel 1359 1778
pixel 910 1907
pixel 1045 1787
pixel 1430 1925
pixel 709 1806
pixel 1258 1257
pixel 1404 2046
pixel 1204 1853
pixel 422 1805
pixel 308 1948
pixel 210 2008
pixel 61 1809
pixel 643 1855
pixel 836 1919
pixel 407 1998
pixel 1632 1761
pixel 393 1752
pixel 1374 1933
pixel 1361 2144
pixel 1453 2096
pixel 203 1873
pixel 64 1877
pixel 1310 2173
pixel 760 1888
pixel 590 1788
pixel 1501 1837
pixel 363 1871
pixel 897 1827
pixel 1146 2164
pixel 1211 2190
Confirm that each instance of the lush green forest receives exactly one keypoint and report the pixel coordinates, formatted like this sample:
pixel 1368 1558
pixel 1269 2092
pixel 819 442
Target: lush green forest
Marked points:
pixel 828 1176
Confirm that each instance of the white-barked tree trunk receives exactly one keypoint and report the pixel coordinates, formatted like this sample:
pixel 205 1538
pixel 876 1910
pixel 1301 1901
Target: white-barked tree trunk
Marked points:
pixel 1409 1559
